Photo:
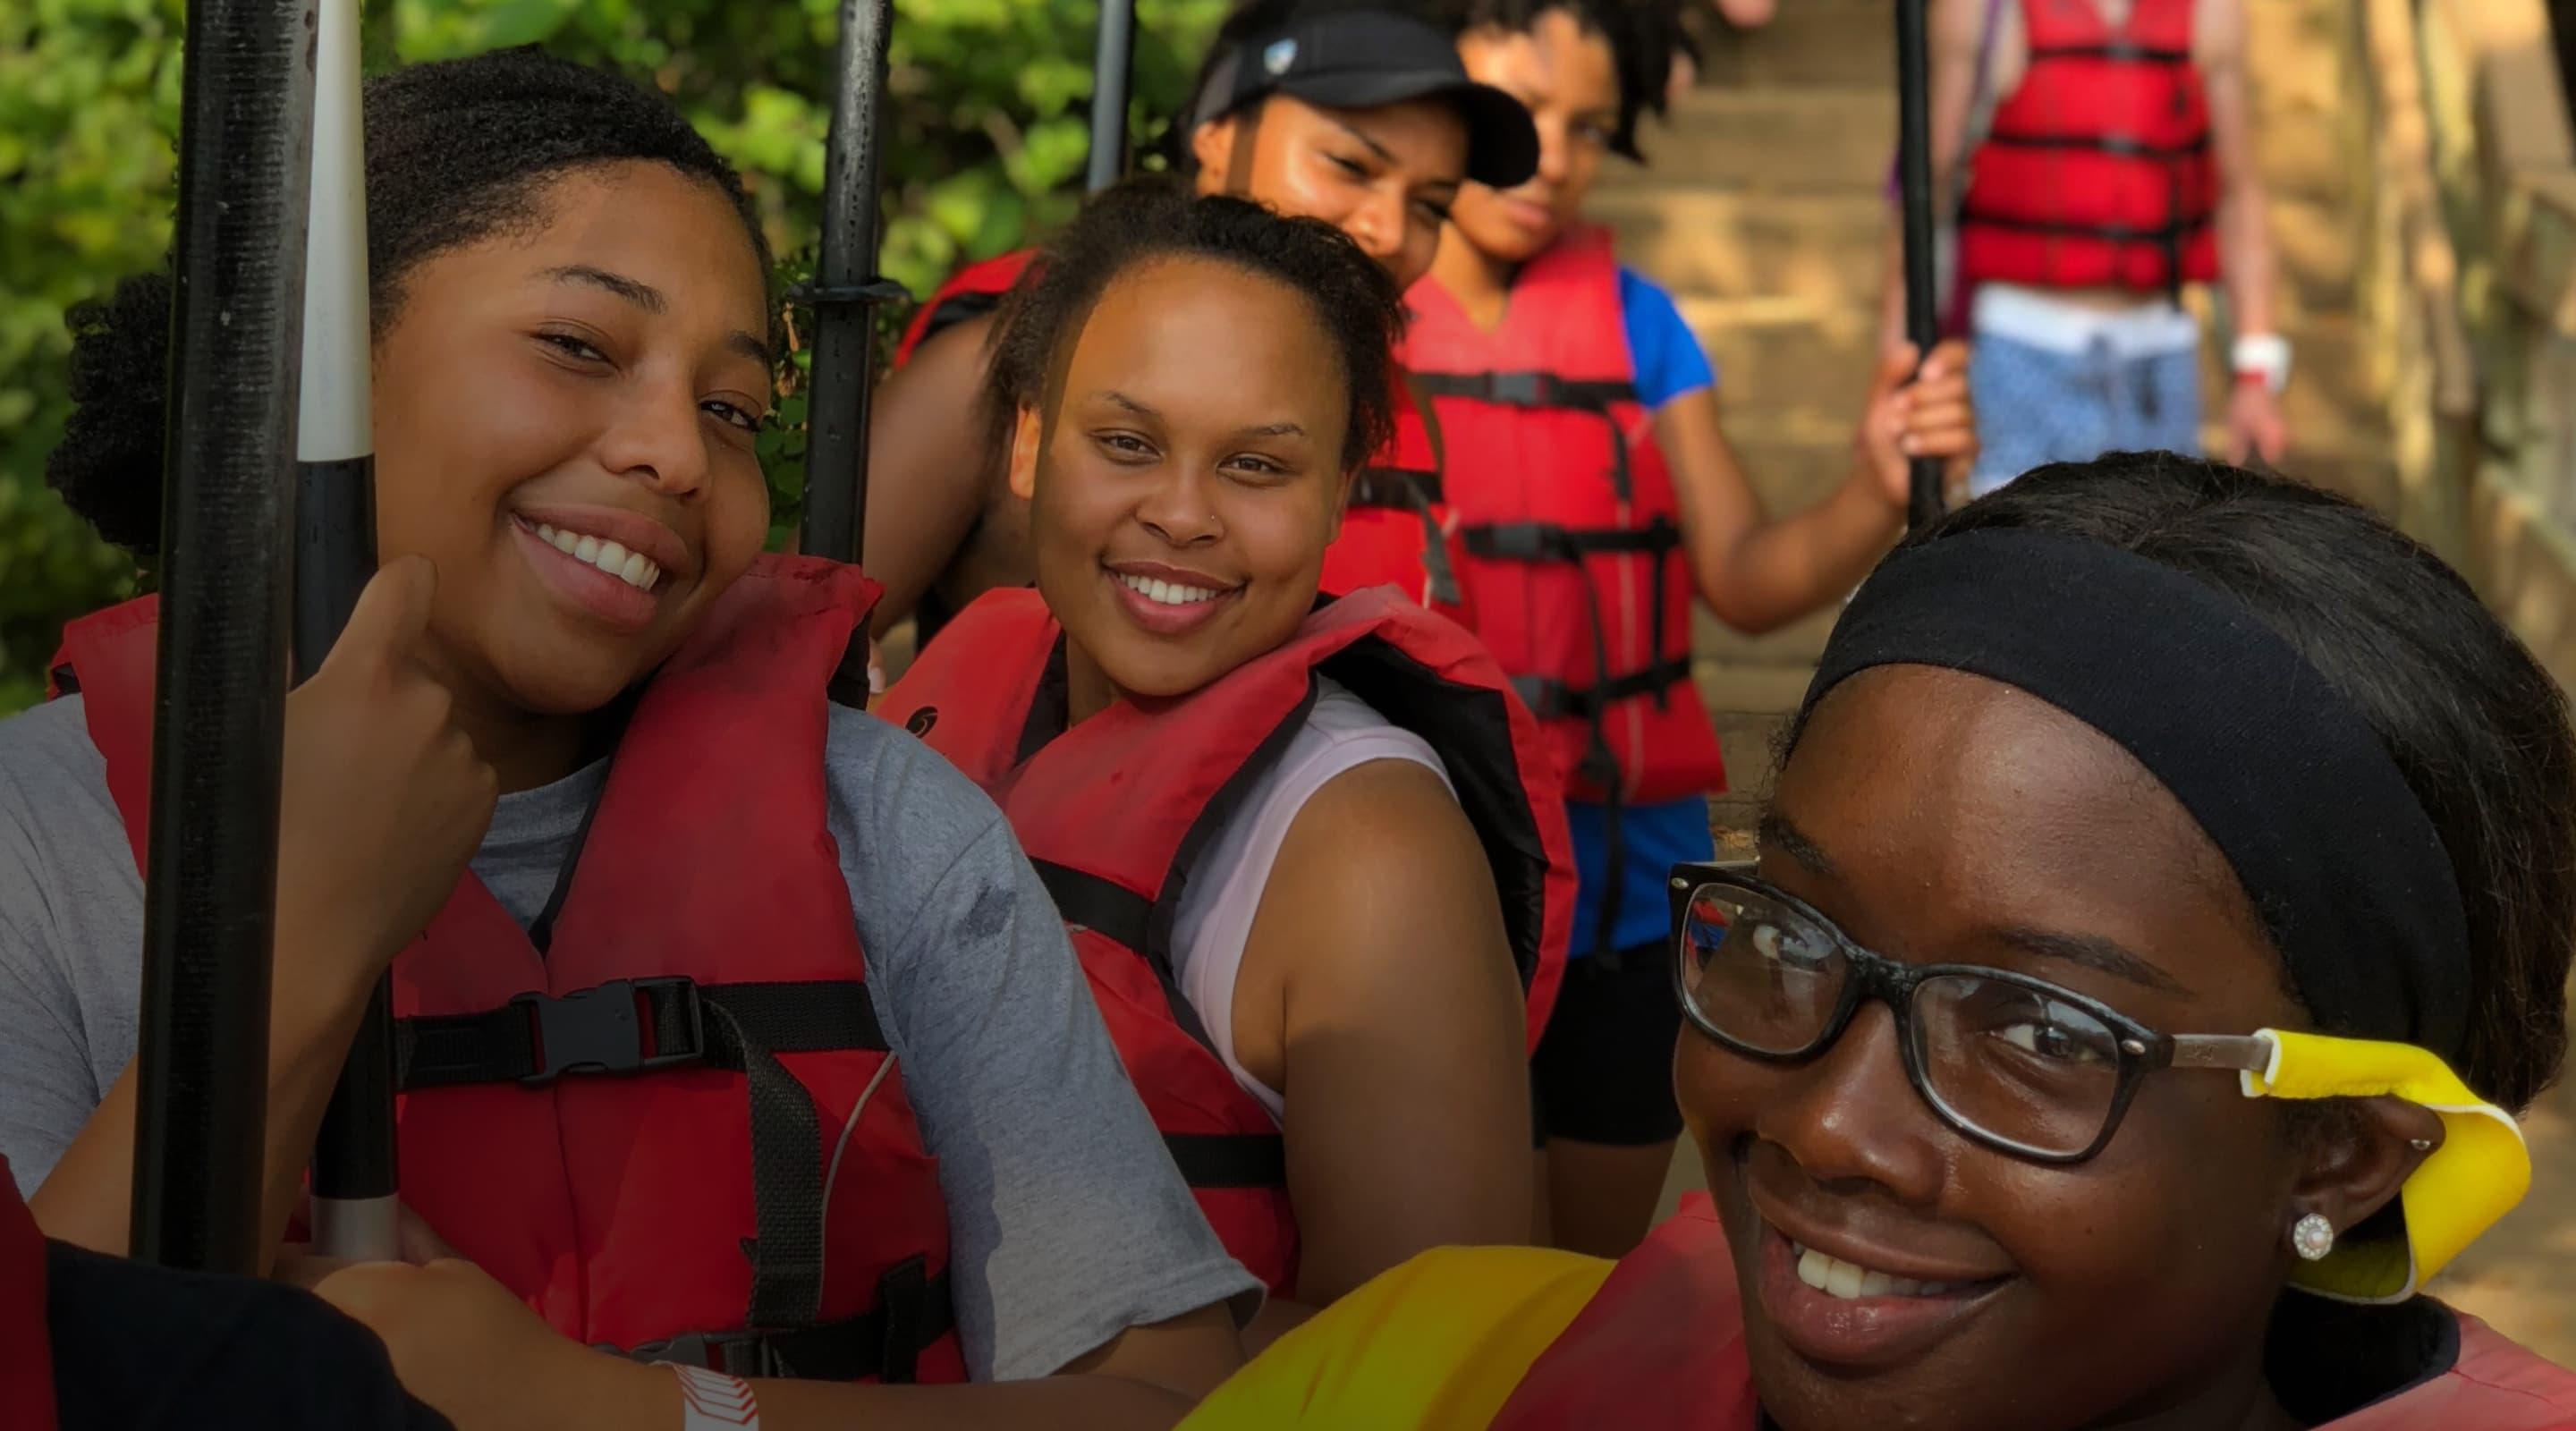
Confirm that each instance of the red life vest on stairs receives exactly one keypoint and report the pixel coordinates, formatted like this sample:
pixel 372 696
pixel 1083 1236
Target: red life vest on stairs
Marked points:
pixel 26 1339
pixel 2097 171
pixel 1661 1348
pixel 1397 530
pixel 1114 812
pixel 754 1195
pixel 1572 531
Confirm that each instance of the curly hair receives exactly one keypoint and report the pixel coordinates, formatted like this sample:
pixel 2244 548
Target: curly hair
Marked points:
pixel 2476 727
pixel 1352 299
pixel 1644 36
pixel 457 152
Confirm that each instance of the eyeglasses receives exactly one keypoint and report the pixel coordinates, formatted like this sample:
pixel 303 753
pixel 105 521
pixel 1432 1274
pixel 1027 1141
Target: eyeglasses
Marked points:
pixel 2016 1063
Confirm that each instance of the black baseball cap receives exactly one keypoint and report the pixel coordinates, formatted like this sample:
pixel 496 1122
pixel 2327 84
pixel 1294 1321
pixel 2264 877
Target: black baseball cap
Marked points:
pixel 1365 59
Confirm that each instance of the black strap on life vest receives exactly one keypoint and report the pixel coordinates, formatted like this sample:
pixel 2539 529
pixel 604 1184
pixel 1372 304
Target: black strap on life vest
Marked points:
pixel 1530 389
pixel 1405 489
pixel 632 1026
pixel 2117 51
pixel 913 1311
pixel 1401 489
pixel 537 1038
pixel 1549 698
pixel 1549 541
pixel 954 309
pixel 1206 1160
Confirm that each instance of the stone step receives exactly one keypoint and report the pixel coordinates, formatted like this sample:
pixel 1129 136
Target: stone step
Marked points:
pixel 1846 43
pixel 1823 248
pixel 1773 140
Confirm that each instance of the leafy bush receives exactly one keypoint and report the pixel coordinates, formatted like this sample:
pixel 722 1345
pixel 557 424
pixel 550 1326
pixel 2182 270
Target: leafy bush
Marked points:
pixel 987 114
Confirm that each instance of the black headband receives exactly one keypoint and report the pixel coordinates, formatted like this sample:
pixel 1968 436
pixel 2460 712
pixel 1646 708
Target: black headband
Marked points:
pixel 2283 775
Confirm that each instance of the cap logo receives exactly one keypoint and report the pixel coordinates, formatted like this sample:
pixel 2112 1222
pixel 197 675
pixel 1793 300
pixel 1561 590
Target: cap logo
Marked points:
pixel 1278 57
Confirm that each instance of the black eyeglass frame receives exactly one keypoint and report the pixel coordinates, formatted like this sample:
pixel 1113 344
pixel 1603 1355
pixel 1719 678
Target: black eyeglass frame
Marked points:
pixel 1893 982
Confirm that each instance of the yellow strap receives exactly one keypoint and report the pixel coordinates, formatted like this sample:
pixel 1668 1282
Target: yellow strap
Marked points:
pixel 1436 1344
pixel 2475 1177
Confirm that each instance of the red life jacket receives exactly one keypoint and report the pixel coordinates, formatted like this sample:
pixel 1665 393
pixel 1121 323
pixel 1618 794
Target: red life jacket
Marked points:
pixel 765 1172
pixel 26 1342
pixel 971 292
pixel 1114 811
pixel 2098 169
pixel 1397 530
pixel 1572 531
pixel 1661 1348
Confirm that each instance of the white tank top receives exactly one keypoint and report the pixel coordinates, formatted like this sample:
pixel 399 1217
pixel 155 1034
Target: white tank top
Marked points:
pixel 1223 891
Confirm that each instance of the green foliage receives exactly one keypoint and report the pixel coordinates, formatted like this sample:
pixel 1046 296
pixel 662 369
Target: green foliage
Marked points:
pixel 986 113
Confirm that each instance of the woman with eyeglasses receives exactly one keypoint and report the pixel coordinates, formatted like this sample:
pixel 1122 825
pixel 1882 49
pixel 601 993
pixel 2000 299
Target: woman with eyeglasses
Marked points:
pixel 2164 908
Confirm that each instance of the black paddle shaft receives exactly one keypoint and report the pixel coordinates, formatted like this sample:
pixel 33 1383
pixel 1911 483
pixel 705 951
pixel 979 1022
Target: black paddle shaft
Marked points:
pixel 845 290
pixel 209 908
pixel 1113 62
pixel 1914 185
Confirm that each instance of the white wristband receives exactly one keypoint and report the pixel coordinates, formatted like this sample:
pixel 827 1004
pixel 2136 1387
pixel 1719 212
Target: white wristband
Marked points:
pixel 713 1401
pixel 2263 355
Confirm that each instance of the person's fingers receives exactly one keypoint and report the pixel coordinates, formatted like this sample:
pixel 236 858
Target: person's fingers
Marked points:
pixel 1896 363
pixel 393 609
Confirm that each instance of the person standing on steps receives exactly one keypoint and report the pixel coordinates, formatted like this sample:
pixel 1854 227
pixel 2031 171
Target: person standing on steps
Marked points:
pixel 2099 158
pixel 1354 112
pixel 1598 502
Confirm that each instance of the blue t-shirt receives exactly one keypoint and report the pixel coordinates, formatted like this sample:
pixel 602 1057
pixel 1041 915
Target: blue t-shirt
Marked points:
pixel 1669 364
pixel 1663 351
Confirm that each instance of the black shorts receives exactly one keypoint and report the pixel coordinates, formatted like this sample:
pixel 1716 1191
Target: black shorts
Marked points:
pixel 1604 1068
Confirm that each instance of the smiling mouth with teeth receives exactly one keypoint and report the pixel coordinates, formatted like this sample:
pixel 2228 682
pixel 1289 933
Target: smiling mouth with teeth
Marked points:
pixel 1166 593
pixel 633 568
pixel 1849 1281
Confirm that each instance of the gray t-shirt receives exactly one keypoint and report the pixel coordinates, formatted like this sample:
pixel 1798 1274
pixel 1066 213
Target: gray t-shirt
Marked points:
pixel 1067 1222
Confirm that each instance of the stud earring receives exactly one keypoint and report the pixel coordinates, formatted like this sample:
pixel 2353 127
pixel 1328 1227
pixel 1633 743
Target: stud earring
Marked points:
pixel 2421 1145
pixel 2312 1237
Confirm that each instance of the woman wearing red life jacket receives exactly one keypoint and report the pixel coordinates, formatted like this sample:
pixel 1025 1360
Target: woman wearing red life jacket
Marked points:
pixel 735 1032
pixel 1599 502
pixel 2164 909
pixel 1312 853
pixel 1354 112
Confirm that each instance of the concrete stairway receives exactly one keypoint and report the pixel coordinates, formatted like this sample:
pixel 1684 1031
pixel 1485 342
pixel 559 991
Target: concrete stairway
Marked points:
pixel 1764 209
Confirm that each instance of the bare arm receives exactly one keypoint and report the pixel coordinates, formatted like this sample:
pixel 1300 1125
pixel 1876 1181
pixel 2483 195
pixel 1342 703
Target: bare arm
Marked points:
pixel 2244 227
pixel 929 471
pixel 461 1342
pixel 1754 573
pixel 86 1199
pixel 1377 994
pixel 2254 424
pixel 356 879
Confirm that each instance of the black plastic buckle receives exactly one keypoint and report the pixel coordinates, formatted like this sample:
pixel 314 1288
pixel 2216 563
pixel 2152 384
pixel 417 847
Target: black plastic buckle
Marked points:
pixel 597 1030
pixel 720 1353
pixel 1528 389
